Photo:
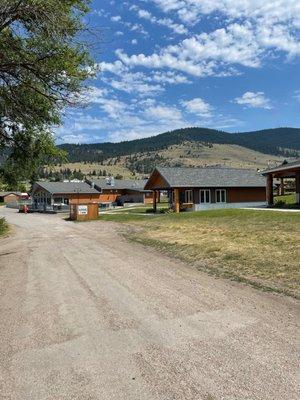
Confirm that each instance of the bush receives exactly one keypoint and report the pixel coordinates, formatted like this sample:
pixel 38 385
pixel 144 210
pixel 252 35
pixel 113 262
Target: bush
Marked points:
pixel 280 203
pixel 3 226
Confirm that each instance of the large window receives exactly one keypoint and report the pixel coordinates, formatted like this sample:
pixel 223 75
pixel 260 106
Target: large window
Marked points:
pixel 204 195
pixel 220 196
pixel 188 196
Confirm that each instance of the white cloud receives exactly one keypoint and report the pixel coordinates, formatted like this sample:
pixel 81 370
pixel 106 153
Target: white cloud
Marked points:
pixel 199 107
pixel 167 22
pixel 116 18
pixel 254 100
pixel 253 30
pixel 190 11
pixel 164 113
pixel 138 82
pixel 134 41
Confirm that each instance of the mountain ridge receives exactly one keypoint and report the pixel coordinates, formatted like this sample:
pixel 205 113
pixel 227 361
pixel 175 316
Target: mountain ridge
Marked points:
pixel 284 141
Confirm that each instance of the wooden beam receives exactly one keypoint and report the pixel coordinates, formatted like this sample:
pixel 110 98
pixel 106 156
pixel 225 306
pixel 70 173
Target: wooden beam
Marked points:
pixel 281 187
pixel 154 201
pixel 298 188
pixel 270 196
pixel 158 196
pixel 176 200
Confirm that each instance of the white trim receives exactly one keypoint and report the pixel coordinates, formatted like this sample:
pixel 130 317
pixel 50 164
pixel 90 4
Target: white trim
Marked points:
pixel 216 206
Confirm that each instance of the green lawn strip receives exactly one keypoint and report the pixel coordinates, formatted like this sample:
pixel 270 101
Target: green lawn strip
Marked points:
pixel 260 248
pixel 3 226
pixel 288 198
pixel 287 201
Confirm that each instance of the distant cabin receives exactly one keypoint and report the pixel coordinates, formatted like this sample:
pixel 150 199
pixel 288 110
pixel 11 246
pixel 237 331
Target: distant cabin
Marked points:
pixel 9 197
pixel 208 188
pixel 121 191
pixel 48 196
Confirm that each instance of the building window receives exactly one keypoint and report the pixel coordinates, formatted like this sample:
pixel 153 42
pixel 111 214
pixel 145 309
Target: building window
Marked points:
pixel 204 196
pixel 188 196
pixel 220 196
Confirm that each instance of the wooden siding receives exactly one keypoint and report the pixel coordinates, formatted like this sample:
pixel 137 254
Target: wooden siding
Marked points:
pixel 92 212
pixel 233 195
pixel 243 195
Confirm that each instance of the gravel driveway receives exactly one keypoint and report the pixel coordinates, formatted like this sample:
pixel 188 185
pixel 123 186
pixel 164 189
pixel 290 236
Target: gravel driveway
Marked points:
pixel 86 315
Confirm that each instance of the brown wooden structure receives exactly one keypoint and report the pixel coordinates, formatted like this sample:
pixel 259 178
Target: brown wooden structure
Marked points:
pixel 84 211
pixel 208 188
pixel 8 197
pixel 121 191
pixel 48 196
pixel 287 170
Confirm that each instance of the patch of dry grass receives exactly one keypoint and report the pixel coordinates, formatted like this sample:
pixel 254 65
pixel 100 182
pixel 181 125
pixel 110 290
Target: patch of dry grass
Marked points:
pixel 90 167
pixel 260 247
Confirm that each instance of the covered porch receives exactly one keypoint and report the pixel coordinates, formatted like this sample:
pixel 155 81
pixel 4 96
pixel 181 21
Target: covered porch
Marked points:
pixel 284 171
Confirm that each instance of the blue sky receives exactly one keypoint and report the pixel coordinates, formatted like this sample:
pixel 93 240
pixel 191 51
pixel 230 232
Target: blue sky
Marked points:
pixel 165 64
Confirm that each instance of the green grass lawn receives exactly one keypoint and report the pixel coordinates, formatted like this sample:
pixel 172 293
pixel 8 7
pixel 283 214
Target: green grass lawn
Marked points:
pixel 257 247
pixel 286 201
pixel 3 226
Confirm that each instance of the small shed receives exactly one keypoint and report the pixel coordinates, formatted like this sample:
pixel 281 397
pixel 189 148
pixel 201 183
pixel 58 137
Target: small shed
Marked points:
pixel 84 212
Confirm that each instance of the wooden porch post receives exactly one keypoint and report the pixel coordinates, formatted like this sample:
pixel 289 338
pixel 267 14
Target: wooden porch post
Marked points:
pixel 281 187
pixel 158 196
pixel 154 201
pixel 176 200
pixel 297 178
pixel 270 199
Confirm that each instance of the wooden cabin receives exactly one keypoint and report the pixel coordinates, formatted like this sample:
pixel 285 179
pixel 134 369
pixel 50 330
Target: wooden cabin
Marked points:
pixel 9 197
pixel 121 191
pixel 56 196
pixel 208 188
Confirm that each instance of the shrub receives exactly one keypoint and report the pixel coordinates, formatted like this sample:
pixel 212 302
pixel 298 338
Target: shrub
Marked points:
pixel 3 226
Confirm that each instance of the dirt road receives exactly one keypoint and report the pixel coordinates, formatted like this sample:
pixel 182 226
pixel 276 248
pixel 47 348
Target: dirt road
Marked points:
pixel 86 315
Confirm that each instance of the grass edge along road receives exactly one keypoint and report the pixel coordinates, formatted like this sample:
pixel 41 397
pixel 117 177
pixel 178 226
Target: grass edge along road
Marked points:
pixel 260 248
pixel 3 226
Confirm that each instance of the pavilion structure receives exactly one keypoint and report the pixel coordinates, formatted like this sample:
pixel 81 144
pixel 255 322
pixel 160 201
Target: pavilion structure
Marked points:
pixel 287 170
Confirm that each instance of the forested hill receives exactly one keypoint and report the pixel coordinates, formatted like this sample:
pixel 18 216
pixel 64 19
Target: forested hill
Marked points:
pixel 279 141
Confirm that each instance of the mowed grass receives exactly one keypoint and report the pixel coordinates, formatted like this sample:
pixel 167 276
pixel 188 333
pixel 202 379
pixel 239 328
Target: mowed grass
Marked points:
pixel 3 226
pixel 288 198
pixel 261 248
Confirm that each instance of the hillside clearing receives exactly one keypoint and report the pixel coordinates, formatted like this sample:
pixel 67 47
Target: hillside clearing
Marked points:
pixel 89 168
pixel 261 248
pixel 234 156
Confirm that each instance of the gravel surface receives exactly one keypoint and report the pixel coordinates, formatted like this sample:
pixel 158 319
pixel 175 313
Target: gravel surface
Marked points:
pixel 86 315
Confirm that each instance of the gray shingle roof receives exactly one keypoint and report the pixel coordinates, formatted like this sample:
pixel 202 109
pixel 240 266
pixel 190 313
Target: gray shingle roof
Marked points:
pixel 2 194
pixel 67 187
pixel 212 177
pixel 119 184
pixel 283 167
